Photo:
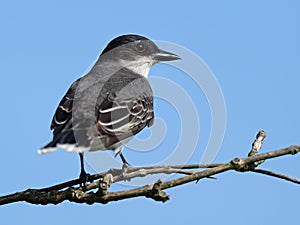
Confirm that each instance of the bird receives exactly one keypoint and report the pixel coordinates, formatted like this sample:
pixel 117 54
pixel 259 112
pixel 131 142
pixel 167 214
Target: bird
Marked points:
pixel 111 103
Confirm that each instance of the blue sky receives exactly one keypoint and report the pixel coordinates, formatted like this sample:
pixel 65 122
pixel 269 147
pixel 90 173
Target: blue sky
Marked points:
pixel 253 49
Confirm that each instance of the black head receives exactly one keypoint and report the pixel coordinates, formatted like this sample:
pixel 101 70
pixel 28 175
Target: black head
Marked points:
pixel 132 47
pixel 123 40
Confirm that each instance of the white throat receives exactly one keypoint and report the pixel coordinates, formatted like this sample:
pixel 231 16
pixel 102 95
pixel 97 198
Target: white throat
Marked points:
pixel 142 68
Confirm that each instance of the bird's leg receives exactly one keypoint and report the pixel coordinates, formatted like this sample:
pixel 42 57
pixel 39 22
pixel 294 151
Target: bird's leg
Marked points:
pixel 83 177
pixel 126 165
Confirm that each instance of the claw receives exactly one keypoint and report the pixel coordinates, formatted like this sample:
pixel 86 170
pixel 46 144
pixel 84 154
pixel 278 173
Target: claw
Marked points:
pixel 84 178
pixel 126 166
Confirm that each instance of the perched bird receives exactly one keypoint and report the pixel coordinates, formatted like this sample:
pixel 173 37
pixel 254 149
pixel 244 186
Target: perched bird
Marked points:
pixel 110 104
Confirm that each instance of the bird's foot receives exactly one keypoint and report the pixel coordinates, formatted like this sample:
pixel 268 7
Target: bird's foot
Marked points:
pixel 126 166
pixel 84 178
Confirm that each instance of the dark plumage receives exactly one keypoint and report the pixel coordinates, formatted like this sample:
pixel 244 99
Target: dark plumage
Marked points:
pixel 110 104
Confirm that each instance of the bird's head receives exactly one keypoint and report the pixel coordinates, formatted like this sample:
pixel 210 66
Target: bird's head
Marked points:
pixel 136 53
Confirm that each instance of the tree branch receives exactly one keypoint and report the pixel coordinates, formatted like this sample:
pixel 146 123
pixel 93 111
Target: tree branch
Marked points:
pixel 277 175
pixel 98 190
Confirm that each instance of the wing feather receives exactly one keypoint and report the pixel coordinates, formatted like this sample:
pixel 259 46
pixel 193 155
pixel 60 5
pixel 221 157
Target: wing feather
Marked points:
pixel 63 112
pixel 124 118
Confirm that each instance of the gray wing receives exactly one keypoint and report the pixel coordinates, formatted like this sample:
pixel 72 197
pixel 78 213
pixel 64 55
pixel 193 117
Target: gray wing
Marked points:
pixel 120 119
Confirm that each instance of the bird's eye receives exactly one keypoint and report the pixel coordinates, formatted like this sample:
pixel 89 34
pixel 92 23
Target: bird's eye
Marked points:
pixel 140 47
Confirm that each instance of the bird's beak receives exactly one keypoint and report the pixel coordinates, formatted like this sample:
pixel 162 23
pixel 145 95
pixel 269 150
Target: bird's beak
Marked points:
pixel 165 56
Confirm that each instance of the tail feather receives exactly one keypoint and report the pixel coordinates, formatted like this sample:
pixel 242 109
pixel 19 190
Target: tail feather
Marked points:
pixel 59 139
pixel 46 150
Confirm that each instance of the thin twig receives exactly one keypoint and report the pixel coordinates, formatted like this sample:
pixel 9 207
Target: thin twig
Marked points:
pixel 144 171
pixel 257 144
pixel 277 175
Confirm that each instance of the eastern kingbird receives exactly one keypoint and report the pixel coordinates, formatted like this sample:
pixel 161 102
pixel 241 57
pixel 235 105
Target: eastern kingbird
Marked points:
pixel 110 104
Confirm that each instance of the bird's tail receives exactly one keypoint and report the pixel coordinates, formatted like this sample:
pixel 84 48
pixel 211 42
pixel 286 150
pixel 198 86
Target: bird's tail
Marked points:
pixel 66 140
pixel 51 147
pixel 62 138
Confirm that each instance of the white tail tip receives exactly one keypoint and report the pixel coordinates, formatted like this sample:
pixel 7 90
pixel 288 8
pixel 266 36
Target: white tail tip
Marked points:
pixel 46 150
